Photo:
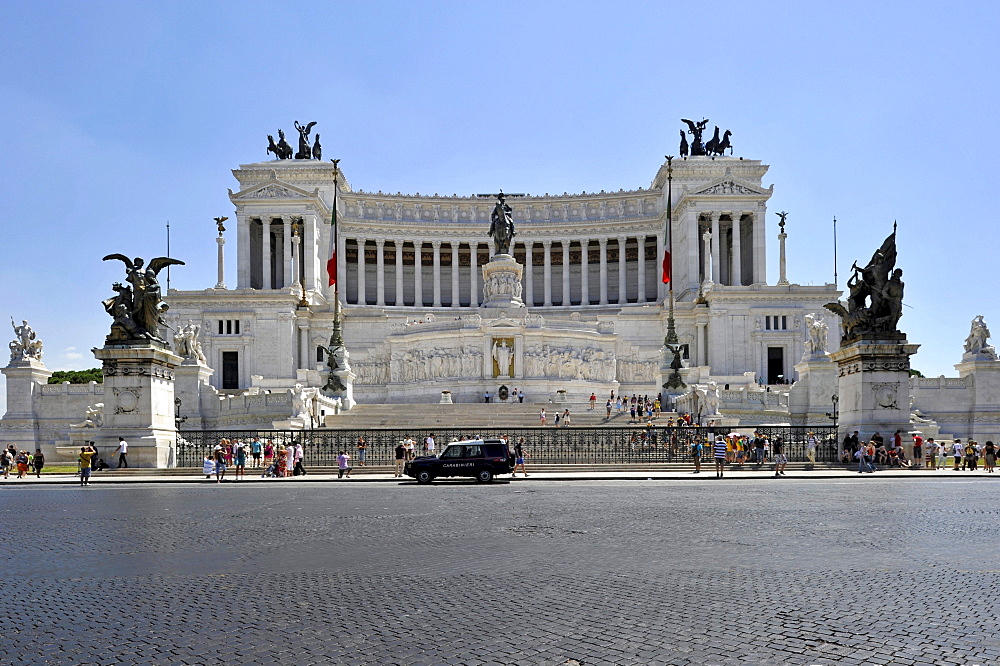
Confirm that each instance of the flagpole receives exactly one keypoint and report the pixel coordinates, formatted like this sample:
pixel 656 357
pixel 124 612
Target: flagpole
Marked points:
pixel 671 342
pixel 835 282
pixel 337 336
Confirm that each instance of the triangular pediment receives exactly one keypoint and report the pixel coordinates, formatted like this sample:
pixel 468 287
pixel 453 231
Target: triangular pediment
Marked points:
pixel 272 189
pixel 727 185
pixel 503 322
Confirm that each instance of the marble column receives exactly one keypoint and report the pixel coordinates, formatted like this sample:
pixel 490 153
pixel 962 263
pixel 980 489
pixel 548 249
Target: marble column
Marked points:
pixel 716 249
pixel 418 274
pixel 603 243
pixel 759 248
pixel 399 271
pixel 529 282
pixel 566 299
pixel 622 283
pixel 473 274
pixel 641 297
pixel 455 301
pixel 243 250
pixel 287 256
pixel 304 350
pixel 661 288
pixel 309 243
pixel 737 265
pixel 782 278
pixel 702 343
pixel 706 238
pixel 437 272
pixel 221 284
pixel 380 271
pixel 362 296
pixel 584 271
pixel 265 253
pixel 547 263
pixel 341 266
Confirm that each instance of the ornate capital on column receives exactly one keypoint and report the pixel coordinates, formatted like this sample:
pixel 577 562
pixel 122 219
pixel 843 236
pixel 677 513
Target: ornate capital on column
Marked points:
pixel 547 244
pixel 380 243
pixel 603 242
pixel 436 244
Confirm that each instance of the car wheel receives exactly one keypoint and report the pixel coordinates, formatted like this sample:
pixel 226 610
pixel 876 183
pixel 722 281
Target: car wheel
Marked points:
pixel 424 476
pixel 484 476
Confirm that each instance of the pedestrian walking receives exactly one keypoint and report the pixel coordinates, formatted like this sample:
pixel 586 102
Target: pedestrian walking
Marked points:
pixel 989 456
pixel 565 418
pixel 608 408
pixel 958 452
pixel 240 460
pixel 400 458
pixel 220 464
pixel 38 462
pixel 343 465
pixel 362 448
pixel 918 450
pixel 298 456
pixel 541 416
pixel 122 452
pixel 720 449
pixel 5 462
pixel 593 401
pixel 429 445
pixel 696 449
pixel 520 396
pixel 519 455
pixel 21 461
pixel 268 453
pixel 558 417
pixel 256 448
pixel 932 453
pixel 780 459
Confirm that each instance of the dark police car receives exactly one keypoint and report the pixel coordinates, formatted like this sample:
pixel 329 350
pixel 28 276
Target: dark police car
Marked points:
pixel 481 459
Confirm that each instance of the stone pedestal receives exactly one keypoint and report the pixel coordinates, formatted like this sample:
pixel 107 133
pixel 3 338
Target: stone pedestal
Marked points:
pixel 139 403
pixel 189 379
pixel 346 377
pixel 25 379
pixel 984 371
pixel 812 395
pixel 502 283
pixel 874 386
pixel 445 398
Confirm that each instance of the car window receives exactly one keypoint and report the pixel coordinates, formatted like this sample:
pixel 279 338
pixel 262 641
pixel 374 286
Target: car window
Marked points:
pixel 473 451
pixel 452 452
pixel 495 450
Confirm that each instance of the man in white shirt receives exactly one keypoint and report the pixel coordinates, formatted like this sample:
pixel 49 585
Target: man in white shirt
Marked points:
pixel 122 452
pixel 429 444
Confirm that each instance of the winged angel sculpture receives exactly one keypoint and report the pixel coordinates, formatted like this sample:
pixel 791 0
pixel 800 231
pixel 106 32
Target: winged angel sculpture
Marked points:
pixel 137 307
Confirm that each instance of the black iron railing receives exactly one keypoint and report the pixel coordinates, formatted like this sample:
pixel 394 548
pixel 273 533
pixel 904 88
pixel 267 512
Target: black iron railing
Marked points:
pixel 592 445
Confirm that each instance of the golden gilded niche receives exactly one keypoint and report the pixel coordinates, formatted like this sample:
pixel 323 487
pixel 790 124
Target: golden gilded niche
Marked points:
pixel 502 351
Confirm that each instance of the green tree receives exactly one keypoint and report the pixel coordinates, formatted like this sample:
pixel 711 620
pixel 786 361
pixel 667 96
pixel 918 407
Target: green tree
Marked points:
pixel 77 376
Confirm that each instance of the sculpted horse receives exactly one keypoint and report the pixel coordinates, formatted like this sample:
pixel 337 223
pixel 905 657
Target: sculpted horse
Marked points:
pixel 712 146
pixel 684 145
pixel 724 144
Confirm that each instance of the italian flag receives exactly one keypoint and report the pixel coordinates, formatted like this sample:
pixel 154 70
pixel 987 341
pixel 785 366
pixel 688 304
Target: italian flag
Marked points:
pixel 331 263
pixel 666 266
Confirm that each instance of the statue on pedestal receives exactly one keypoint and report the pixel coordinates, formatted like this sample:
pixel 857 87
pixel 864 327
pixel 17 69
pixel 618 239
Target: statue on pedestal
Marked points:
pixel 976 343
pixel 504 357
pixel 24 346
pixel 816 335
pixel 696 129
pixel 186 343
pixel 137 308
pixel 305 152
pixel 502 224
pixel 875 303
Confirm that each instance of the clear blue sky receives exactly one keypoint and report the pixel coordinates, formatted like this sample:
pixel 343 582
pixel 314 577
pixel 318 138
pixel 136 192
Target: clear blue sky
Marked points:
pixel 121 116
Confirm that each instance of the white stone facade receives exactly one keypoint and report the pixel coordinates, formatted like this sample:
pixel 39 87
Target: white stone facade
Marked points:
pixel 589 262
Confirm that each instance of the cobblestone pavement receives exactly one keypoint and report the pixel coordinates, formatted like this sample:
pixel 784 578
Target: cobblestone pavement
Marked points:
pixel 770 571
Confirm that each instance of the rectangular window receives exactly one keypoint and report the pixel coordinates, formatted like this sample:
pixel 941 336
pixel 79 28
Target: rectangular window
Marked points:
pixel 784 323
pixel 221 327
pixel 230 370
pixel 767 322
pixel 237 326
pixel 229 327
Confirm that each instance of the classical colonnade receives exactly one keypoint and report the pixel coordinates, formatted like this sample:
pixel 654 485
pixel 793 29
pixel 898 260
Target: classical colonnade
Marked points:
pixel 616 270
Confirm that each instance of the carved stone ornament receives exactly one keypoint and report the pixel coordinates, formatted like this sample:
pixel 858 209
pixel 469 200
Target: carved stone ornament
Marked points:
pixel 270 192
pixel 728 186
pixel 886 394
pixel 127 399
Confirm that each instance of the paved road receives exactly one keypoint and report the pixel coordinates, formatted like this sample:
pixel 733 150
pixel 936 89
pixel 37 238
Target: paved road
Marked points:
pixel 846 571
